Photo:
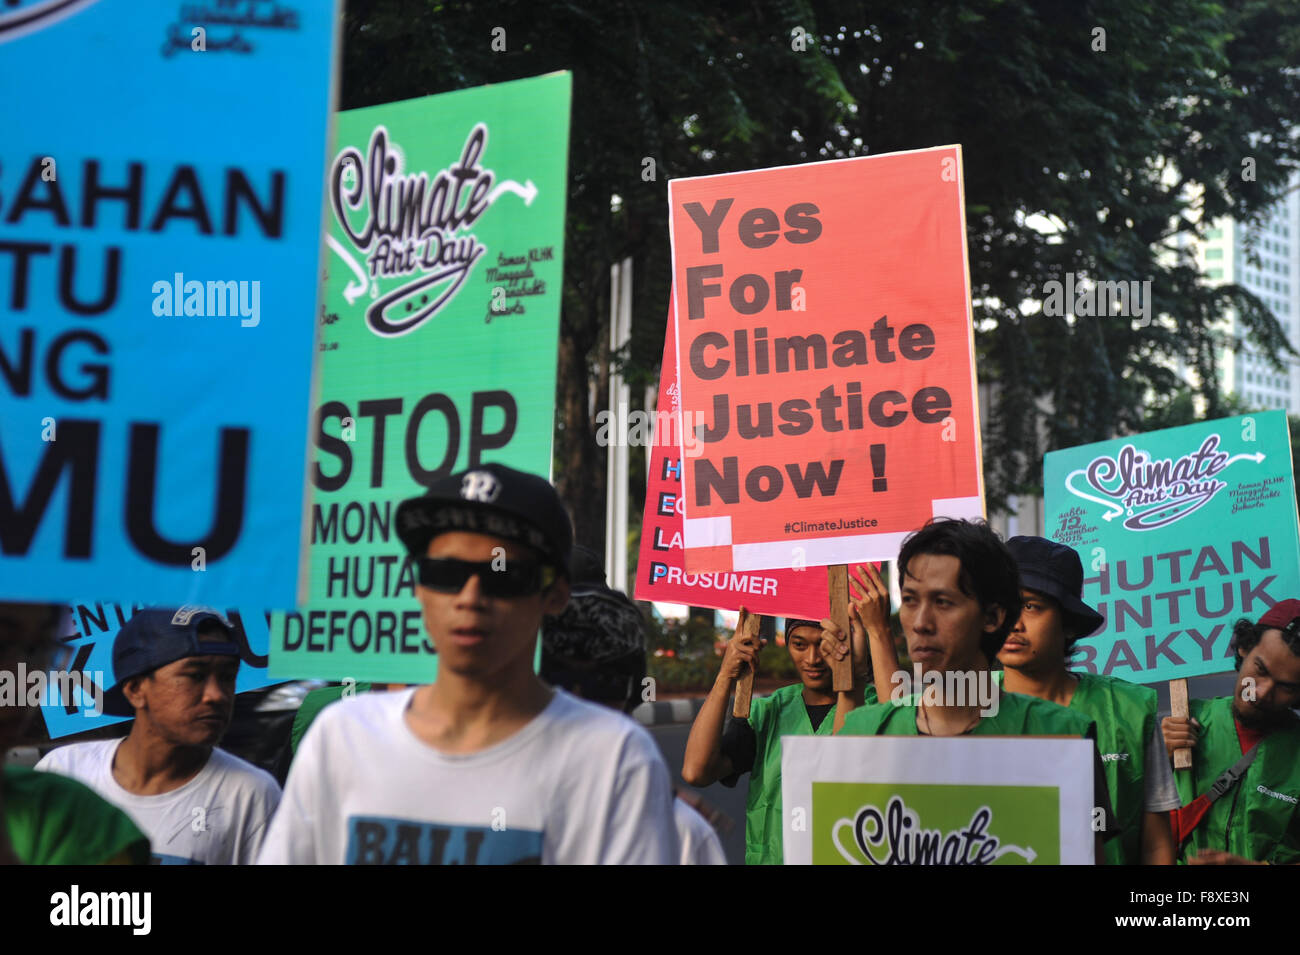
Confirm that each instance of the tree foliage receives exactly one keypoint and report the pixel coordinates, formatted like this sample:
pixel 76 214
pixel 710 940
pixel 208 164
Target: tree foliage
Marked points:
pixel 1127 151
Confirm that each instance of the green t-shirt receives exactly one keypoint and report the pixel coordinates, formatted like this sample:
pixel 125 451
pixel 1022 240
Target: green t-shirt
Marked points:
pixel 783 713
pixel 53 820
pixel 312 704
pixel 1017 715
pixel 1125 714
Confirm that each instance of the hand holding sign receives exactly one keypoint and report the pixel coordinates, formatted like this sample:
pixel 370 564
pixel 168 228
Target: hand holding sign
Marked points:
pixel 744 664
pixel 836 645
pixel 1180 734
pixel 741 652
pixel 837 581
pixel 871 605
pixel 870 601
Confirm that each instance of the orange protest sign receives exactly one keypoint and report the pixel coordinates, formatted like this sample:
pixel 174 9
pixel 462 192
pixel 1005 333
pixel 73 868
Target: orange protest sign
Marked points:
pixel 826 354
pixel 661 572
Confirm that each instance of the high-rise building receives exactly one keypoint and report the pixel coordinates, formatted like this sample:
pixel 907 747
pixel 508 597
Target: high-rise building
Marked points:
pixel 1222 258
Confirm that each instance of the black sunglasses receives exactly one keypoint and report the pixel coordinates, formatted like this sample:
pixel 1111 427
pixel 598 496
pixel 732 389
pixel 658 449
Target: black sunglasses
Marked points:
pixel 518 578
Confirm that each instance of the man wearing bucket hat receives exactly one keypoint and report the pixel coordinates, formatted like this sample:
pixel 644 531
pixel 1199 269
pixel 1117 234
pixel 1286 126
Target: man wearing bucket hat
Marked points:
pixel 175 673
pixel 1242 794
pixel 487 764
pixel 1053 618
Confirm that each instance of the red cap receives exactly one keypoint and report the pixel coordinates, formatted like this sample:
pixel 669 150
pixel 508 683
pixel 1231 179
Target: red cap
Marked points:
pixel 1281 614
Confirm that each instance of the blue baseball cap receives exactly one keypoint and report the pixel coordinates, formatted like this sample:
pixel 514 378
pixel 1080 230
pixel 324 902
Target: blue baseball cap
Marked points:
pixel 156 637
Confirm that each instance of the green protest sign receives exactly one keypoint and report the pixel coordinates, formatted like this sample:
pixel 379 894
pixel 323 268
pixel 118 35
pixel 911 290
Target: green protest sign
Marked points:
pixel 1181 532
pixel 438 347
pixel 908 801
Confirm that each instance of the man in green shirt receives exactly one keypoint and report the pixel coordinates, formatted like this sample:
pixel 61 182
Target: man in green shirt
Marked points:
pixel 753 746
pixel 317 700
pixel 1255 818
pixel 1053 618
pixel 47 819
pixel 960 593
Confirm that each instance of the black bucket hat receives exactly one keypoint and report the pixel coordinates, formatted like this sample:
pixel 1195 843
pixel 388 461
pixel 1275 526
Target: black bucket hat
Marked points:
pixel 1055 569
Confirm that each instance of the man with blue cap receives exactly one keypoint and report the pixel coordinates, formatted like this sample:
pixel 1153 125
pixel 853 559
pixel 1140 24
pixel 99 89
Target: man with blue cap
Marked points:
pixel 175 673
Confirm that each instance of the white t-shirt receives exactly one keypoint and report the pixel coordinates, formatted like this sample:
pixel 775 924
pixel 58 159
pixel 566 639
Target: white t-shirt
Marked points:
pixel 217 818
pixel 578 784
pixel 700 845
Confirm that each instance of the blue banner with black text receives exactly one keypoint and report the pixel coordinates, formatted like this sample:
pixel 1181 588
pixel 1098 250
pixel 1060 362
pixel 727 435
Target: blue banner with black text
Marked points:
pixel 161 181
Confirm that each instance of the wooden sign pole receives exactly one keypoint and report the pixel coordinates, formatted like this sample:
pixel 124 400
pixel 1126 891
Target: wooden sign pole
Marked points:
pixel 1178 708
pixel 838 577
pixel 748 627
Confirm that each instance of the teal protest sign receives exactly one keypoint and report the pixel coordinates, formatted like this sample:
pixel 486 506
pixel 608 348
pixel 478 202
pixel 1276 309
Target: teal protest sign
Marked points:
pixel 438 352
pixel 1181 532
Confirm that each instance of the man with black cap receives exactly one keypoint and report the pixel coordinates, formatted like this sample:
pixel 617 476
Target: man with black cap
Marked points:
pixel 1053 619
pixel 753 746
pixel 1242 795
pixel 488 764
pixel 175 672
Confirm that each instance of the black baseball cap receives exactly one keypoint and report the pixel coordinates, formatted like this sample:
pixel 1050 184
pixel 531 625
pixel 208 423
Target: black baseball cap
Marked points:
pixel 495 500
pixel 156 637
pixel 1055 569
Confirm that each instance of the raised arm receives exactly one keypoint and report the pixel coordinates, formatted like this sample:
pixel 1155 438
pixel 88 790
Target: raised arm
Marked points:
pixel 872 641
pixel 871 605
pixel 704 762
